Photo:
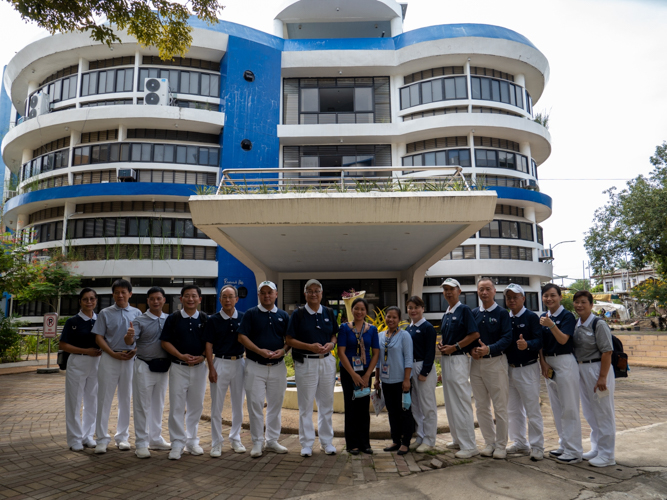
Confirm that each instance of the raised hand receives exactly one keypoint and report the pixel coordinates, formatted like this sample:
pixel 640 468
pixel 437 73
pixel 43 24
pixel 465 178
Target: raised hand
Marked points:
pixel 521 343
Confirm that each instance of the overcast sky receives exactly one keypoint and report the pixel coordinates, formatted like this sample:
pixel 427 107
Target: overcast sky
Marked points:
pixel 607 96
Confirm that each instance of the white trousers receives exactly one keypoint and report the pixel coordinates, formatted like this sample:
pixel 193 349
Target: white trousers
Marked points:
pixel 230 376
pixel 148 392
pixel 187 386
pixel 80 387
pixel 599 413
pixel 265 383
pixel 564 397
pixel 424 405
pixel 315 379
pixel 490 383
pixel 111 374
pixel 456 386
pixel 524 401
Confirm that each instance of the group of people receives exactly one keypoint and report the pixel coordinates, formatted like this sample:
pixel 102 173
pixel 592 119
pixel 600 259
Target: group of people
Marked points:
pixel 492 354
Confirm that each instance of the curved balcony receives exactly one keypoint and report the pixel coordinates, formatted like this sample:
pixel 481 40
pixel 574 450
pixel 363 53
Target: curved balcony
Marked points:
pixel 490 267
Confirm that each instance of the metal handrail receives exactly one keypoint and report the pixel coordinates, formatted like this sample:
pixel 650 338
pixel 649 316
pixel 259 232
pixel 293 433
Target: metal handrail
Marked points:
pixel 342 182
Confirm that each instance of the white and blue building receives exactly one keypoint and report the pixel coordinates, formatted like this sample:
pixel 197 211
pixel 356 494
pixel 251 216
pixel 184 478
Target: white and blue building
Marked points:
pixel 114 181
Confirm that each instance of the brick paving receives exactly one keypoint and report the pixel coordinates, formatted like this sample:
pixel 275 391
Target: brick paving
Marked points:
pixel 35 462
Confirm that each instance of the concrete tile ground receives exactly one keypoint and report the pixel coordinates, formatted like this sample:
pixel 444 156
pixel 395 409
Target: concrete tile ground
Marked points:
pixel 35 462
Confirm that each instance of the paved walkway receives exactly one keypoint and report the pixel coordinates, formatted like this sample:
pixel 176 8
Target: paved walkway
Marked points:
pixel 35 462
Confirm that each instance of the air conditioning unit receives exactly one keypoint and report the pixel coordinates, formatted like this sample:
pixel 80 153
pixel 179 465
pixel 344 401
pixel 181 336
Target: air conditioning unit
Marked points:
pixel 127 175
pixel 529 184
pixel 546 255
pixel 156 92
pixel 38 104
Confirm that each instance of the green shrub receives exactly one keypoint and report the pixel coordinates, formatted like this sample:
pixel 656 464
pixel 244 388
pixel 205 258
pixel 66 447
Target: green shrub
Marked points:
pixel 10 340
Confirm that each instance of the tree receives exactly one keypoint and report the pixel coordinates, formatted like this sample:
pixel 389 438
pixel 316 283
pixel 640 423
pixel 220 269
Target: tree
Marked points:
pixel 651 291
pixel 47 282
pixel 579 285
pixel 158 23
pixel 633 223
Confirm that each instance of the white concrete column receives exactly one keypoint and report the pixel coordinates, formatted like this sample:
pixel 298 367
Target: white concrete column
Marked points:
pixel 279 29
pixel 83 67
pixel 529 213
pixel 395 83
pixel 122 132
pixel 471 143
pixel 22 221
pixel 397 154
pixel 469 84
pixel 137 64
pixel 26 156
pixel 396 26
pixel 70 209
pixel 32 86
pixel 520 79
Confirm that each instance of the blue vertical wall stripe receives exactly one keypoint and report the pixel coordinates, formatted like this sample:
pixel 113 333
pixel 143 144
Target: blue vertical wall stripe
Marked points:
pixel 5 117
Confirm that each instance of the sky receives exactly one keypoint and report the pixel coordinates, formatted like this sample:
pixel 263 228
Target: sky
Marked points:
pixel 606 97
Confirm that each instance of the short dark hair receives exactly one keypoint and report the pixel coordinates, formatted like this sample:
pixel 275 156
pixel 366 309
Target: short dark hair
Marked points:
pixel 360 300
pixel 190 287
pixel 121 283
pixel 416 300
pixel 155 289
pixel 393 308
pixel 550 286
pixel 583 293
pixel 236 291
pixel 84 291
pixel 490 280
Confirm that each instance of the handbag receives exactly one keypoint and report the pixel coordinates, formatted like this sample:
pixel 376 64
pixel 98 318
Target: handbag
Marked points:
pixel 61 359
pixel 377 398
pixel 159 365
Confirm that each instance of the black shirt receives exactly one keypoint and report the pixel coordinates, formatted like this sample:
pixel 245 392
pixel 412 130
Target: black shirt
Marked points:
pixel 423 345
pixel 528 325
pixel 77 332
pixel 458 325
pixel 566 323
pixel 185 334
pixel 222 334
pixel 266 330
pixel 495 329
pixel 309 328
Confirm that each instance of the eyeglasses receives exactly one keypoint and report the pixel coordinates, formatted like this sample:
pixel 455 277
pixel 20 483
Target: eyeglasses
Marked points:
pixel 313 292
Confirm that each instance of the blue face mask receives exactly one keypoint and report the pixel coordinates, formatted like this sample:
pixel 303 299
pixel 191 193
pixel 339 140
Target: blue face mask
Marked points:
pixel 407 401
pixel 361 393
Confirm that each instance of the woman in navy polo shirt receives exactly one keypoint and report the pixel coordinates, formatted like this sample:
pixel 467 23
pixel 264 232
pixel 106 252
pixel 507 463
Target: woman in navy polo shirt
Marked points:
pixel 355 340
pixel 81 374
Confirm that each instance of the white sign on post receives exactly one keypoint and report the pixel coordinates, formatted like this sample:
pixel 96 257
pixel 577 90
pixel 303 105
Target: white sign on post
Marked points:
pixel 50 325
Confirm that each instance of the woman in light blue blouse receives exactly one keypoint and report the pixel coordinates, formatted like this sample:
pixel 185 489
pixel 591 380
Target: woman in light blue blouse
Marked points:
pixel 393 370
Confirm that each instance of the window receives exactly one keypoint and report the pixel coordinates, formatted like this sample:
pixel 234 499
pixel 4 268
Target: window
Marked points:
pixel 532 302
pixel 507 229
pixel 540 235
pixel 437 280
pixel 183 82
pixel 172 135
pixel 506 280
pixel 182 61
pixel 505 252
pixel 486 158
pixel 489 89
pixel 362 156
pixel 454 157
pixel 461 253
pixel 441 89
pixel 130 227
pixel 146 153
pixel 107 81
pixel 509 210
pixel 435 302
pixel 431 73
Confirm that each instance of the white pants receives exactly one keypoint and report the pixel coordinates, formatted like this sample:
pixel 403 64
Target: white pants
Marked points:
pixel 187 386
pixel 490 383
pixel 113 373
pixel 599 413
pixel 80 386
pixel 148 391
pixel 265 383
pixel 564 397
pixel 456 386
pixel 524 401
pixel 315 379
pixel 230 375
pixel 424 405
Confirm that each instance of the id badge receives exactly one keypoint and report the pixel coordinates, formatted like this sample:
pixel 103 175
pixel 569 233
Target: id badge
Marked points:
pixel 384 371
pixel 357 364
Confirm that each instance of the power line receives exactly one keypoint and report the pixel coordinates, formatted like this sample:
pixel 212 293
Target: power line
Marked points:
pixel 585 180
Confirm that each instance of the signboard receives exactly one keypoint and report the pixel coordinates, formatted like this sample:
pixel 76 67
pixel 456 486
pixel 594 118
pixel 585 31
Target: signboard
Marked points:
pixel 50 325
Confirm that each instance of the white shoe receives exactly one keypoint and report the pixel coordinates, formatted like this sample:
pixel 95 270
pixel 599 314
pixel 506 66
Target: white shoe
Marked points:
pixel 160 446
pixel 238 447
pixel 487 451
pixel 142 453
pixel 568 459
pixel 467 453
pixel 514 450
pixel 499 454
pixel 416 444
pixel 329 449
pixel 601 462
pixel 306 452
pixel 100 448
pixel 556 453
pixel 175 453
pixel 423 448
pixel 275 446
pixel 90 443
pixel 256 451
pixel 123 446
pixel 194 450
pixel 76 447
pixel 216 451
pixel 590 454
pixel 453 446
pixel 536 455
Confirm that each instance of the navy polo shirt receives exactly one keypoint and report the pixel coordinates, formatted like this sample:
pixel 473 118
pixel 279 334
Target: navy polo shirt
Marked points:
pixel 312 327
pixel 526 323
pixel 457 324
pixel 566 323
pixel 266 329
pixel 221 332
pixel 495 328
pixel 78 332
pixel 348 339
pixel 423 344
pixel 185 332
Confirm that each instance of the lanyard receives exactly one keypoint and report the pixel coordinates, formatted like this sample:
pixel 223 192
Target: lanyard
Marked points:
pixel 358 335
pixel 387 339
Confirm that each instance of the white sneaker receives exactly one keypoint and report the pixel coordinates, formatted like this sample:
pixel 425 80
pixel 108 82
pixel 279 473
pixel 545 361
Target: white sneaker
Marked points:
pixel 568 459
pixel 601 462
pixel 175 453
pixel 556 453
pixel 515 449
pixel 100 448
pixel 487 451
pixel 91 443
pixel 590 454
pixel 123 446
pixel 194 450
pixel 329 449
pixel 467 453
pixel 423 448
pixel 536 455
pixel 76 447
pixel 160 446
pixel 238 447
pixel 499 454
pixel 216 451
pixel 416 444
pixel 306 452
pixel 142 453
pixel 276 447
pixel 453 446
pixel 256 451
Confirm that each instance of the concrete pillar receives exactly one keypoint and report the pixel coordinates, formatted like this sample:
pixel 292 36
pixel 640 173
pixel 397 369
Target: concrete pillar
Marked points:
pixel 26 156
pixel 83 67
pixel 32 86
pixel 469 84
pixel 137 64
pixel 22 221
pixel 396 26
pixel 279 29
pixel 395 83
pixel 122 132
pixel 520 79
pixel 471 143
pixel 529 213
pixel 70 209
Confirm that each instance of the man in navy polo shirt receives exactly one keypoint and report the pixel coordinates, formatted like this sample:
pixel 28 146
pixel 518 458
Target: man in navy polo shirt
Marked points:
pixel 183 338
pixel 224 355
pixel 488 373
pixel 458 330
pixel 524 376
pixel 262 332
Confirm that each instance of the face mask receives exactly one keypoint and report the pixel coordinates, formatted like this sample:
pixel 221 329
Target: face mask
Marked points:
pixel 407 401
pixel 361 393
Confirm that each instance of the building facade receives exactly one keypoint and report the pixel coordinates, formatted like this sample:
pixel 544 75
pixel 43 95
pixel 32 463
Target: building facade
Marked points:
pixel 335 87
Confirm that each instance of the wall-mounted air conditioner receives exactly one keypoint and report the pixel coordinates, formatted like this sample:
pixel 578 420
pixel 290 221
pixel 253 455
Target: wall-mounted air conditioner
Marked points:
pixel 38 105
pixel 156 92
pixel 127 175
pixel 546 255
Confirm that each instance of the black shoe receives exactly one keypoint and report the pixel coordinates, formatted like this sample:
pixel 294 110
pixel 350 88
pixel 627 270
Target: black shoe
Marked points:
pixel 353 452
pixel 399 452
pixel 393 447
pixel 368 451
pixel 555 453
